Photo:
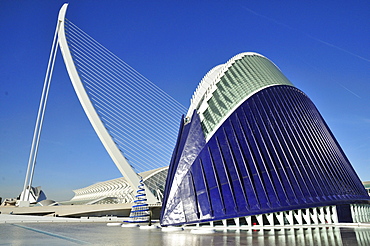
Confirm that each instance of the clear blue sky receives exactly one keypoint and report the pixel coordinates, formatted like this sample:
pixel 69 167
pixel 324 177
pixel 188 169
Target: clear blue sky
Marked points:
pixel 321 46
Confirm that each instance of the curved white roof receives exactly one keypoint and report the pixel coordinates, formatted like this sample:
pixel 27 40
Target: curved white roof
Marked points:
pixel 209 81
pixel 225 87
pixel 120 188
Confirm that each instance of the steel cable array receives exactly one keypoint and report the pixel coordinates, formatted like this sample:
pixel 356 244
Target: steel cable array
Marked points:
pixel 141 118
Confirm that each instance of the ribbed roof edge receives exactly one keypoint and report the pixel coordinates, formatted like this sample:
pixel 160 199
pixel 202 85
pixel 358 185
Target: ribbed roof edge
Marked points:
pixel 211 79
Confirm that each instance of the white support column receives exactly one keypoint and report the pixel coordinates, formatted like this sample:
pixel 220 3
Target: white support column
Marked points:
pixel 328 217
pixel 270 218
pixel 224 222
pixel 306 215
pixel 280 217
pixel 237 222
pixel 321 215
pixel 289 217
pixel 314 216
pixel 362 213
pixel 358 212
pixel 365 213
pixel 334 214
pixel 298 216
pixel 259 219
pixel 354 213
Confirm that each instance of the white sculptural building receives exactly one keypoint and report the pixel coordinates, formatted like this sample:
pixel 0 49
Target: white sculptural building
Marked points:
pixel 119 190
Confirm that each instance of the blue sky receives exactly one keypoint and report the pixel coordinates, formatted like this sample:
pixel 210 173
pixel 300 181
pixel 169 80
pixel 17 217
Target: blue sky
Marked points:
pixel 321 46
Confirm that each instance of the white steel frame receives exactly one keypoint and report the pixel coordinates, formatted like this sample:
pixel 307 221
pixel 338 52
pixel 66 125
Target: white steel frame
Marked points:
pixel 116 155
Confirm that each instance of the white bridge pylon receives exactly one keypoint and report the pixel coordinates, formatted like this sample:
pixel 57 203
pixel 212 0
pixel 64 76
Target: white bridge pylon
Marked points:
pixel 114 152
pixel 111 147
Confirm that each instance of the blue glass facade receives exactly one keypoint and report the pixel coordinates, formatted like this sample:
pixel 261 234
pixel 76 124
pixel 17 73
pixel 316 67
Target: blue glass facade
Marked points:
pixel 273 153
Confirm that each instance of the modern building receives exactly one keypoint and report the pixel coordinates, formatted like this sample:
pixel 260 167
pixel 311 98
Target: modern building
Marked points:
pixel 254 150
pixel 118 190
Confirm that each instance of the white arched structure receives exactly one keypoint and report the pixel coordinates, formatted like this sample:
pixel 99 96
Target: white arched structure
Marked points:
pixel 118 190
pixel 114 152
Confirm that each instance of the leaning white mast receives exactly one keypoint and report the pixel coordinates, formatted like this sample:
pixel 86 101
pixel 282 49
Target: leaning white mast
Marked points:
pixel 25 195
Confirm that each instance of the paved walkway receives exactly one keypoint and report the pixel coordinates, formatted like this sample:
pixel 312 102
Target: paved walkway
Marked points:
pixel 11 218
